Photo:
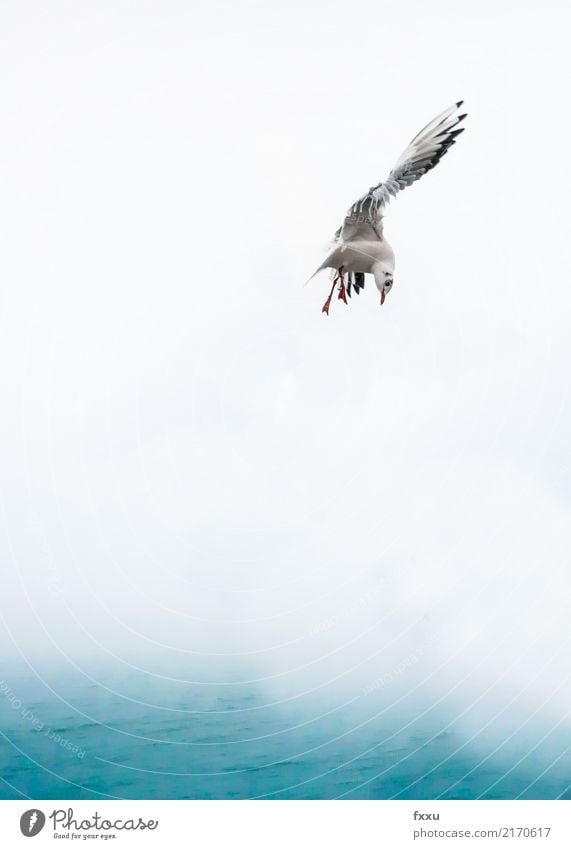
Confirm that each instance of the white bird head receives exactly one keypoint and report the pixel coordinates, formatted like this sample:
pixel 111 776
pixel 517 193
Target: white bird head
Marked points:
pixel 384 278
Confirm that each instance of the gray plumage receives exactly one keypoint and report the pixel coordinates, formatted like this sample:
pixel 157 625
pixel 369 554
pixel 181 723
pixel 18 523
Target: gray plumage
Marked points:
pixel 359 246
pixel 422 154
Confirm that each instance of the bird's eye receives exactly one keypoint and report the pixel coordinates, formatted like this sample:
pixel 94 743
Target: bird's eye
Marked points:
pixel 388 284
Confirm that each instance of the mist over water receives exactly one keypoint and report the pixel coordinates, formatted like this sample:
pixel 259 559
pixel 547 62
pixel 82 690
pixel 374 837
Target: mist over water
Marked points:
pixel 130 737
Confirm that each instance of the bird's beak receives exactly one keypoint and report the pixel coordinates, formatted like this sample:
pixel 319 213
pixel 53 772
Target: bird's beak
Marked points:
pixel 382 297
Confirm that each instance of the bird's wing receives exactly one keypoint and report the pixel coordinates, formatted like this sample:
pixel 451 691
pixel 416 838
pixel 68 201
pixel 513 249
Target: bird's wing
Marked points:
pixel 425 151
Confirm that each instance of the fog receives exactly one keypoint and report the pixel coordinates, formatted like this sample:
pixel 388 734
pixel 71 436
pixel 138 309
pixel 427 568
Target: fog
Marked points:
pixel 203 477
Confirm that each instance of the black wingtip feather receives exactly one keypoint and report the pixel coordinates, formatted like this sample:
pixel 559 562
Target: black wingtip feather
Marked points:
pixel 459 103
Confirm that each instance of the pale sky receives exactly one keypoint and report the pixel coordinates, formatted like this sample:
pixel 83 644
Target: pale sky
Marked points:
pixel 196 461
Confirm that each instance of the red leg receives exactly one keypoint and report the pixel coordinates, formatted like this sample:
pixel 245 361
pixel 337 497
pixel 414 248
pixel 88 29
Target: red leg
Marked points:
pixel 342 296
pixel 327 303
pixel 342 291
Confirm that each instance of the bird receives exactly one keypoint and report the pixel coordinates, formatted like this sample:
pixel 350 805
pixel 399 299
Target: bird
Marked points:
pixel 359 246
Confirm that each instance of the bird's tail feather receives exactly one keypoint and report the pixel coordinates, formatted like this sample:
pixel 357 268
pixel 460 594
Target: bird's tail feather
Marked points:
pixel 315 273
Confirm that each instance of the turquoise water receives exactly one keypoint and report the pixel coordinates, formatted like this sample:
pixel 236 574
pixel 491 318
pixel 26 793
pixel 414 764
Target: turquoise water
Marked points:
pixel 201 742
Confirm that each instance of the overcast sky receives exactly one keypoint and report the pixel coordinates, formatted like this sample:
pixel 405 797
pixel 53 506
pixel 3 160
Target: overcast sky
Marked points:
pixel 196 463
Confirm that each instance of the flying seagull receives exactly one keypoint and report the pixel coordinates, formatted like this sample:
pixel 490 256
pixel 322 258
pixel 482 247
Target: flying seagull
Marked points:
pixel 359 246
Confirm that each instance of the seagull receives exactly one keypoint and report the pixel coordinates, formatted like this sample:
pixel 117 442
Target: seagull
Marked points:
pixel 359 246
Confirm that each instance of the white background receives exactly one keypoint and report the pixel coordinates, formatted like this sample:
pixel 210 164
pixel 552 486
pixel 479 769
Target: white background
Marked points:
pixel 196 463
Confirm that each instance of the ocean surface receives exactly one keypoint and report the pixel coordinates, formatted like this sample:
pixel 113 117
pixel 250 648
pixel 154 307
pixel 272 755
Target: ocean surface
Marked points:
pixel 126 737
